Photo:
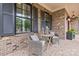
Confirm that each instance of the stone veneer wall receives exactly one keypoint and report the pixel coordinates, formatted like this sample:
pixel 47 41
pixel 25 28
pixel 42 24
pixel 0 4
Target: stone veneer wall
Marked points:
pixel 10 44
pixel 41 8
pixel 75 25
pixel 58 23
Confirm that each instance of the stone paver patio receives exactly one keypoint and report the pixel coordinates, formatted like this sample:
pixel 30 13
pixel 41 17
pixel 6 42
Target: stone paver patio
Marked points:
pixel 65 48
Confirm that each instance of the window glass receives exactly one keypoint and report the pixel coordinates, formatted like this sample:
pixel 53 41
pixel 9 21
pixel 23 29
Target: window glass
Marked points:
pixel 18 5
pixel 23 18
pixel 26 14
pixel 26 25
pixel 18 25
pixel 18 12
pixel 46 20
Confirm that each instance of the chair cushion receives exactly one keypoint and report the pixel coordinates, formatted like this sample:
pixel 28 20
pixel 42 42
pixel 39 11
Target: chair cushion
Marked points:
pixel 43 42
pixel 55 37
pixel 53 33
pixel 34 37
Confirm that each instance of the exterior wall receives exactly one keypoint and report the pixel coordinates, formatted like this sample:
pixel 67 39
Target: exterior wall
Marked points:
pixel 58 23
pixel 10 44
pixel 75 25
pixel 39 16
pixel 41 8
pixel 39 21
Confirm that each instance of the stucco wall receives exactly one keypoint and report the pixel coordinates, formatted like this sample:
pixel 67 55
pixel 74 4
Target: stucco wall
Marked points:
pixel 58 23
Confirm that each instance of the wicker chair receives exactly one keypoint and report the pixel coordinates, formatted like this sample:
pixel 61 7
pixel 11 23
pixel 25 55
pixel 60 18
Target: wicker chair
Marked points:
pixel 55 38
pixel 36 47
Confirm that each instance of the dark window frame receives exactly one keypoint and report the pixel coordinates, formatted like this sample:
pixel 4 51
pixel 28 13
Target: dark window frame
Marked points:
pixel 30 5
pixel 44 18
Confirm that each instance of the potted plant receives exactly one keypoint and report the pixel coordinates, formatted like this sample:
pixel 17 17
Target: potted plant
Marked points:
pixel 70 34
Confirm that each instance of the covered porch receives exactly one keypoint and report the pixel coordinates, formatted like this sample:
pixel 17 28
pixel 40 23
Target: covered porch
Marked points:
pixel 20 19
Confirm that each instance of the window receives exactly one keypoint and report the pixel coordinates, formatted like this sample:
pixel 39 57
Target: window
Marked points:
pixel 23 18
pixel 46 20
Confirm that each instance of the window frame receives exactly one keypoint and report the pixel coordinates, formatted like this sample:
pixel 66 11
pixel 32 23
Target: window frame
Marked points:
pixel 43 18
pixel 50 20
pixel 30 6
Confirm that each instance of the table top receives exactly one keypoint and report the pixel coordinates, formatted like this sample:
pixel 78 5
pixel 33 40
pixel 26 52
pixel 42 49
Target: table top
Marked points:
pixel 47 35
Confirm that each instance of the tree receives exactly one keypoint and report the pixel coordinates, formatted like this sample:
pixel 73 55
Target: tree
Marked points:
pixel 18 23
pixel 27 24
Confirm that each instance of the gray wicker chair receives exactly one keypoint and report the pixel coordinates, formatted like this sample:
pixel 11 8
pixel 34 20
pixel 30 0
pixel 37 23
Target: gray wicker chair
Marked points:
pixel 55 38
pixel 36 47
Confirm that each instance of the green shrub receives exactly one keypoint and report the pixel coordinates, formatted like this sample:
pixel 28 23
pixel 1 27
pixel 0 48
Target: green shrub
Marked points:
pixel 72 30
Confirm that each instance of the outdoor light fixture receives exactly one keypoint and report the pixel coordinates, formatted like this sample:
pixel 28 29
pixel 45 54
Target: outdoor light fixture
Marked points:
pixel 68 19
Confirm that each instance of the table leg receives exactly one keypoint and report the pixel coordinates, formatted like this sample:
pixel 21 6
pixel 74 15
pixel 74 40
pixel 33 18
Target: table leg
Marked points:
pixel 50 40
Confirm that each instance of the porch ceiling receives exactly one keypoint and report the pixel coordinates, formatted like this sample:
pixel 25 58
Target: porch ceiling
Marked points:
pixel 70 7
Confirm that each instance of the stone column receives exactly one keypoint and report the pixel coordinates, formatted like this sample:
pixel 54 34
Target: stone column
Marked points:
pixel 39 21
pixel 58 23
